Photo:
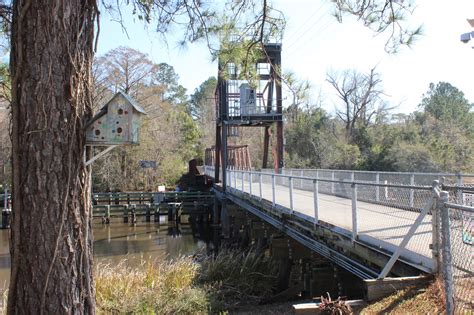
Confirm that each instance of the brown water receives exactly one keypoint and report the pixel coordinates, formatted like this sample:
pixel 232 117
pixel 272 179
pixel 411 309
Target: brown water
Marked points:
pixel 119 241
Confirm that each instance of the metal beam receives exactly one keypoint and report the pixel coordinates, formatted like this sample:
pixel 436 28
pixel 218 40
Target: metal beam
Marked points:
pixel 406 239
pixel 98 156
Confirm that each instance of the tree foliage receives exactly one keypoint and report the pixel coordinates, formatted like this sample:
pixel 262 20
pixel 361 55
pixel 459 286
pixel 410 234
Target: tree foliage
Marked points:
pixel 361 99
pixel 383 16
pixel 446 103
pixel 437 139
pixel 202 107
pixel 169 135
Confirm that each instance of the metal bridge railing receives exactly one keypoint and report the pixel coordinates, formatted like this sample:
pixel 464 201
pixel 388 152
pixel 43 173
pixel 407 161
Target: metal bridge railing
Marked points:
pixel 421 224
pixel 402 178
pixel 379 214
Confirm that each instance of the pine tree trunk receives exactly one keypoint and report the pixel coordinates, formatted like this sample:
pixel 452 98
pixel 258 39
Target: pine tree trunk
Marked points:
pixel 51 243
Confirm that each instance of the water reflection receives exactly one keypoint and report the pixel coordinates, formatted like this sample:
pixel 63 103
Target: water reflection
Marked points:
pixel 118 241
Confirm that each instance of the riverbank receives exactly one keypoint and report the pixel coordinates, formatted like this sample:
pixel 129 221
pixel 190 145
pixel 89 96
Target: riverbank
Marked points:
pixel 189 284
pixel 232 282
pixel 164 269
pixel 183 286
pixel 424 300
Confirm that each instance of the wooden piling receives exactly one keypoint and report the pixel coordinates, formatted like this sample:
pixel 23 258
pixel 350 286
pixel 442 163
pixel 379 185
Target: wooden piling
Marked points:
pixel 148 213
pixel 134 215
pixel 125 214
pixel 170 212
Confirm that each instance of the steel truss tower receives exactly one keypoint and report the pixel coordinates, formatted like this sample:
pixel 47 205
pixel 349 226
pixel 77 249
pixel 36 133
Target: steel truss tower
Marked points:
pixel 250 104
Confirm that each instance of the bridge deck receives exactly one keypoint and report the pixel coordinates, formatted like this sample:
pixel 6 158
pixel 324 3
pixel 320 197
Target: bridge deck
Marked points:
pixel 378 225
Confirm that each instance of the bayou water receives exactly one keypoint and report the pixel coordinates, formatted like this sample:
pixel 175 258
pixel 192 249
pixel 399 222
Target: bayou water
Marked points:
pixel 117 241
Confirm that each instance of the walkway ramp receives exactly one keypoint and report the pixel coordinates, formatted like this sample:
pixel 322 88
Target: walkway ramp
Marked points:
pixel 357 223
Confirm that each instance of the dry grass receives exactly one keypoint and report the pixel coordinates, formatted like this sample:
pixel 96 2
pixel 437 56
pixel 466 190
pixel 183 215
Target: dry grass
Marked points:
pixel 164 287
pixel 186 285
pixel 204 284
pixel 237 278
pixel 3 302
pixel 410 301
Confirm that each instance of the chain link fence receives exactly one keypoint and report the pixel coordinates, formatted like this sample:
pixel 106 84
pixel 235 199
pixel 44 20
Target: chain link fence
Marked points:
pixel 456 256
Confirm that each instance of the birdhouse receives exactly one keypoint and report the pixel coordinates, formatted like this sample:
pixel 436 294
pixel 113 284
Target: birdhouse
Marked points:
pixel 118 122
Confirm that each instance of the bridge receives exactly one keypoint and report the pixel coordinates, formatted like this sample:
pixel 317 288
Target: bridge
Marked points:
pixel 373 224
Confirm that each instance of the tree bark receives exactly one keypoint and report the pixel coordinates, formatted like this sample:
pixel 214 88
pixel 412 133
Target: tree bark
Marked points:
pixel 51 240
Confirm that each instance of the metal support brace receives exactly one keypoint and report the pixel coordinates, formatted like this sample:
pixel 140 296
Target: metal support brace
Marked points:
pixel 260 185
pixel 406 239
pixel 102 153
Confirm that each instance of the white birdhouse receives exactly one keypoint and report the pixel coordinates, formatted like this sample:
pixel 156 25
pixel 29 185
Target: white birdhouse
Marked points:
pixel 118 122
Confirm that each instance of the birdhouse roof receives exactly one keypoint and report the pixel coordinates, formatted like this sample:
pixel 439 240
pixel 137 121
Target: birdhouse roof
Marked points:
pixel 135 105
pixel 132 102
pixel 103 110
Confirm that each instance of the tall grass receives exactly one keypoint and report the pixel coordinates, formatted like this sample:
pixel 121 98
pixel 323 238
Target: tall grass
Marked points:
pixel 237 277
pixel 154 287
pixel 185 285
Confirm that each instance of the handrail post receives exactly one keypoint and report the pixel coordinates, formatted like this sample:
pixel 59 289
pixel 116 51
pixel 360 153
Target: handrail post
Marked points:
pixel 260 184
pixel 332 183
pixel 235 179
pixel 290 184
pixel 273 190
pixel 354 211
pixel 377 190
pixel 447 259
pixel 316 201
pixel 458 190
pixel 250 183
pixel 243 180
pixel 412 191
pixel 435 228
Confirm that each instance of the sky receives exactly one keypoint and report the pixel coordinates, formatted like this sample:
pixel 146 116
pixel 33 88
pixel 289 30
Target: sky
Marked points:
pixel 314 44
